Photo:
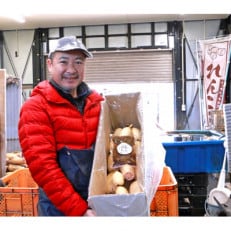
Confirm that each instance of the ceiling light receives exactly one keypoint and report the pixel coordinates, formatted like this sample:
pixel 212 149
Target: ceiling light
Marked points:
pixel 16 17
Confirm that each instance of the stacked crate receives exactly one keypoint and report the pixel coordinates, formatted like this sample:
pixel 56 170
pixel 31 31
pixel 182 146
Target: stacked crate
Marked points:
pixel 165 201
pixel 196 166
pixel 18 194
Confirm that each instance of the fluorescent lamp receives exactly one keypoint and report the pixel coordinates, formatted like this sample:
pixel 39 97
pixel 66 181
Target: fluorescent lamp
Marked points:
pixel 16 17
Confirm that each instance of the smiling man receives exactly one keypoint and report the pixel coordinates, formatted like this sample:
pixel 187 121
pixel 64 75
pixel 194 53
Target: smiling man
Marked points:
pixel 57 132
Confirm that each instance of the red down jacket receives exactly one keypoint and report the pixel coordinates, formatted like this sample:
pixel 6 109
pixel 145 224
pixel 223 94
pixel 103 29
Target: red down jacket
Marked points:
pixel 47 123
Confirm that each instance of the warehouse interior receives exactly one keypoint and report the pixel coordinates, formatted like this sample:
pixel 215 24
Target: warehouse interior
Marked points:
pixel 157 54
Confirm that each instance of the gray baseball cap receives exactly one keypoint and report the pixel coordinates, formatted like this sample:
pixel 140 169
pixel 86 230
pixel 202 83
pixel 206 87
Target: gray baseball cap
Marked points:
pixel 70 43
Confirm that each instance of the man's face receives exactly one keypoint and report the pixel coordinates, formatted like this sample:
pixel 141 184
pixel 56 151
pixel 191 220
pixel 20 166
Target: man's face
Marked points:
pixel 67 69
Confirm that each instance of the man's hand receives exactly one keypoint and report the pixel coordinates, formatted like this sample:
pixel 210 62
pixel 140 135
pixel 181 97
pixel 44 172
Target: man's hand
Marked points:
pixel 89 213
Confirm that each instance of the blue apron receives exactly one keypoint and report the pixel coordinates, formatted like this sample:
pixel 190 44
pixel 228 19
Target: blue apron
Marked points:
pixel 76 165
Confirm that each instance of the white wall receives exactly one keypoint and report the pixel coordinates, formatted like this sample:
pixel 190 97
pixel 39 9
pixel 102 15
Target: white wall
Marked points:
pixel 16 65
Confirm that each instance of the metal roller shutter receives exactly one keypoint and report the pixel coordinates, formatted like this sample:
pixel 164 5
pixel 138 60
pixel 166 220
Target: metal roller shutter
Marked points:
pixel 130 66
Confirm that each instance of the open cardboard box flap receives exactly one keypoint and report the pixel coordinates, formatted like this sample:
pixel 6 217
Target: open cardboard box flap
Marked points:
pixel 119 111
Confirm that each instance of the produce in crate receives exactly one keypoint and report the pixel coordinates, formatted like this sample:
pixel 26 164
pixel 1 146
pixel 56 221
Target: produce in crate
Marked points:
pixel 15 161
pixel 14 167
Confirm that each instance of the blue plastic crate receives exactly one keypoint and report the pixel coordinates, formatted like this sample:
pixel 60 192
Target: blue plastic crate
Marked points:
pixel 204 156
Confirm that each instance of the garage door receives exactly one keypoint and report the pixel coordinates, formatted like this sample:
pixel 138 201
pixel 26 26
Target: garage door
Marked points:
pixel 130 66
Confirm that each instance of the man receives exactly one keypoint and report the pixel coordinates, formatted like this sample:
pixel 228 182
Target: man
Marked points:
pixel 57 132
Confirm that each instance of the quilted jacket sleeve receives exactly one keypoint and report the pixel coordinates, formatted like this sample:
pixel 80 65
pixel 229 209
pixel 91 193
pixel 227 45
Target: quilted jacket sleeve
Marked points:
pixel 39 148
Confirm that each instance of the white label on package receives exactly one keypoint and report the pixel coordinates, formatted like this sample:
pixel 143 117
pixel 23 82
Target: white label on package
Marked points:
pixel 124 148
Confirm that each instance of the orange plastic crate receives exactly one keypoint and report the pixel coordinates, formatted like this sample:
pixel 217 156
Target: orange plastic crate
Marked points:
pixel 165 201
pixel 20 195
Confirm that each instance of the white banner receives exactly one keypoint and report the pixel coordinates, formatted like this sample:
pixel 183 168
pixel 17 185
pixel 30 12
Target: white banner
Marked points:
pixel 215 55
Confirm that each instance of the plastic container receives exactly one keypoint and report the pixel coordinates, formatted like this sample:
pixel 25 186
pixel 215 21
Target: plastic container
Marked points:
pixel 20 195
pixel 204 156
pixel 213 210
pixel 165 201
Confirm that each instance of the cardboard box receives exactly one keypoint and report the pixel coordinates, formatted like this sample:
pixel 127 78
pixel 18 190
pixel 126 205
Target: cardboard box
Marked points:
pixel 117 111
